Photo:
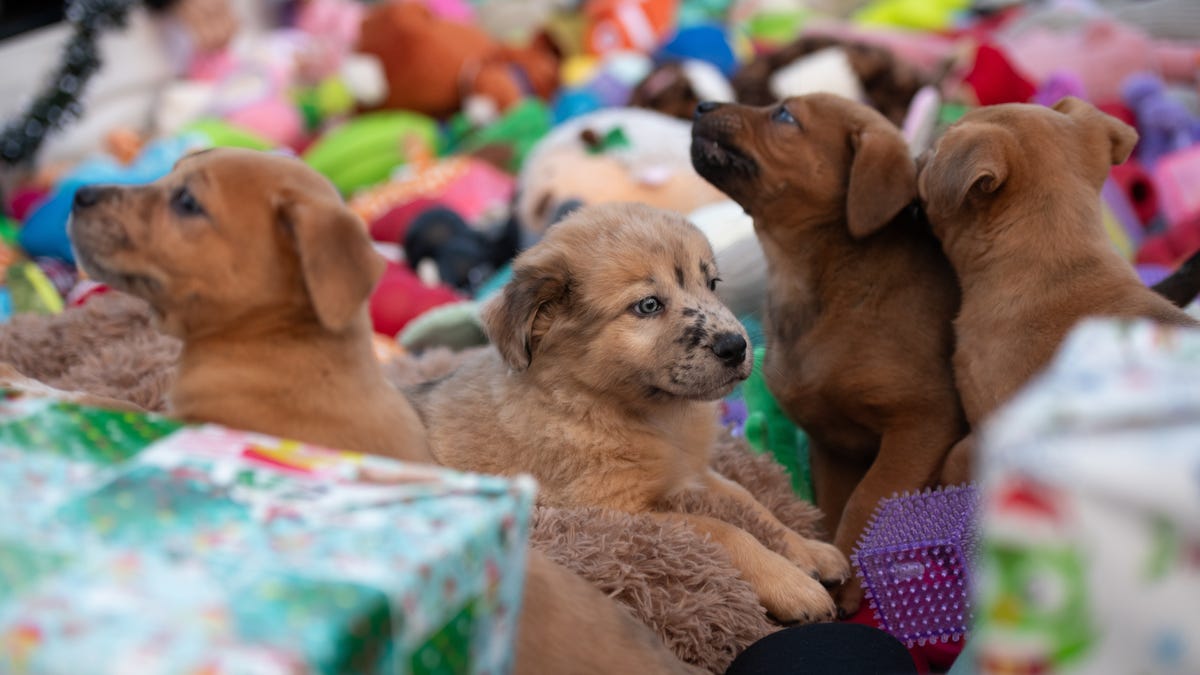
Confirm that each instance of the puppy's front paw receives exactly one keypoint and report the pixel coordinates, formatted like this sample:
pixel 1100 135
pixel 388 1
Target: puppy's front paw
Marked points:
pixel 818 558
pixel 790 594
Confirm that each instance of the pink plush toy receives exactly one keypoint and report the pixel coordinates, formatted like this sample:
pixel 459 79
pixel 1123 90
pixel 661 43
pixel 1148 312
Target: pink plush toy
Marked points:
pixel 1101 53
pixel 1165 123
pixel 332 27
pixel 401 297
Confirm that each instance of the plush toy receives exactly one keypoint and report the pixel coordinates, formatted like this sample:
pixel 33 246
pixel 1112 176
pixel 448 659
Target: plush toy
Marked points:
pixel 886 83
pixel 367 149
pixel 1057 86
pixel 1164 123
pixel 615 25
pixel 1176 177
pixel 1172 247
pixel 1100 51
pixel 703 42
pixel 462 257
pixel 1139 190
pixel 993 79
pixel 927 15
pixel 509 138
pixel 332 27
pixel 675 88
pixel 473 188
pixel 616 154
pixel 435 66
pixel 595 83
pixel 200 27
pixel 401 296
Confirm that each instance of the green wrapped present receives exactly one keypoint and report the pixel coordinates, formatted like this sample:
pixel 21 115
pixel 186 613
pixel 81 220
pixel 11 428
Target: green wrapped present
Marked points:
pixel 132 543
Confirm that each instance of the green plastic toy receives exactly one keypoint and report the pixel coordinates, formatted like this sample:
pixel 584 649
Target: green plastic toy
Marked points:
pixel 520 128
pixel 769 430
pixel 31 290
pixel 225 135
pixel 367 149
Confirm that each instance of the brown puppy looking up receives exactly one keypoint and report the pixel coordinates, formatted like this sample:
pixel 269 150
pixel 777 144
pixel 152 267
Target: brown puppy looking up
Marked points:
pixel 859 296
pixel 612 349
pixel 255 263
pixel 1013 191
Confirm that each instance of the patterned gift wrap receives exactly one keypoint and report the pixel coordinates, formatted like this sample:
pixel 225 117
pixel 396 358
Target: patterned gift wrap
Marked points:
pixel 132 544
pixel 1090 561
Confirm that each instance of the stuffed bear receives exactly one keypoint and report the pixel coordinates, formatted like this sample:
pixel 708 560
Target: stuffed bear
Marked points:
pixel 436 66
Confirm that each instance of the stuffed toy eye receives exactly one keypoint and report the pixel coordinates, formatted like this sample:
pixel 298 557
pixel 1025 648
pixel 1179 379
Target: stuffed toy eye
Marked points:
pixel 712 284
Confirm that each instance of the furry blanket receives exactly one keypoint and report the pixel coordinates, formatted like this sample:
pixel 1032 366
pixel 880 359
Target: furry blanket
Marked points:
pixel 671 578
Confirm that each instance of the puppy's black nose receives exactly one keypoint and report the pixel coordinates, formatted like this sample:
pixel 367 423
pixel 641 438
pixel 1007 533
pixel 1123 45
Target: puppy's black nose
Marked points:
pixel 704 107
pixel 730 348
pixel 88 196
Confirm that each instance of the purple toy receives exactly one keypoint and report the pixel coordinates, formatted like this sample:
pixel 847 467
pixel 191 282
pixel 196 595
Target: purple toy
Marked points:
pixel 915 560
pixel 1060 84
pixel 1164 122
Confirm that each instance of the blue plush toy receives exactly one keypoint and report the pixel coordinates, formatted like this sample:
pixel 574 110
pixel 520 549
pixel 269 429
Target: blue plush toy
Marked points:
pixel 45 230
pixel 702 42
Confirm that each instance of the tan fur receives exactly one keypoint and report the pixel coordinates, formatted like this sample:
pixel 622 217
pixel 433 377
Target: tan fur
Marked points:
pixel 267 289
pixel 608 408
pixel 1013 191
pixel 860 298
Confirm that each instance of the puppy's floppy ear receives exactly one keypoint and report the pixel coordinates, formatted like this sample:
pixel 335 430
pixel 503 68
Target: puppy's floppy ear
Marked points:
pixel 883 180
pixel 339 266
pixel 972 161
pixel 1121 137
pixel 519 316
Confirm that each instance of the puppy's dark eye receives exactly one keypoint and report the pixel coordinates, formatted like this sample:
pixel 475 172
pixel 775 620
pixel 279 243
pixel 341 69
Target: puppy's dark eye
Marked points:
pixel 184 203
pixel 712 283
pixel 782 114
pixel 648 306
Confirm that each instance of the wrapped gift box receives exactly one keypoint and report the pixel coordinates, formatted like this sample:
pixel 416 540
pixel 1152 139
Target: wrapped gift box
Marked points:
pixel 133 544
pixel 1090 560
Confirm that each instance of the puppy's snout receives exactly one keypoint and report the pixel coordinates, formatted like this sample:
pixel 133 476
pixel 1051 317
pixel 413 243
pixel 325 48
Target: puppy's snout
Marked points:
pixel 730 348
pixel 89 196
pixel 705 107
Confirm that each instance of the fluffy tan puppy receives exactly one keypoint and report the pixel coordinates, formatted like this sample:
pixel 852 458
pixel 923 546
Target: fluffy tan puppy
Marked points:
pixel 611 352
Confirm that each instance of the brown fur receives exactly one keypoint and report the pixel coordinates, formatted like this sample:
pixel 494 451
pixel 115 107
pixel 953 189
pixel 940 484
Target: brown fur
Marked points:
pixel 253 261
pixel 859 300
pixel 667 90
pixel 1013 191
pixel 675 582
pixel 608 408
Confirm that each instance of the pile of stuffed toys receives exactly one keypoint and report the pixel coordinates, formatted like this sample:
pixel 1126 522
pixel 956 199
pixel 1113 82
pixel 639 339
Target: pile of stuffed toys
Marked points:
pixel 460 130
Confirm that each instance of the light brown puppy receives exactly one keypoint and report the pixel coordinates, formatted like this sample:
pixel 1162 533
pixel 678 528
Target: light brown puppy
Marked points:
pixel 253 260
pixel 1013 192
pixel 859 299
pixel 611 352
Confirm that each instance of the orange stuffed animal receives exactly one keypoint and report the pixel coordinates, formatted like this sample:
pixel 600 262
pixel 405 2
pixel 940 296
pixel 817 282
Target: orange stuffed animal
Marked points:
pixel 435 66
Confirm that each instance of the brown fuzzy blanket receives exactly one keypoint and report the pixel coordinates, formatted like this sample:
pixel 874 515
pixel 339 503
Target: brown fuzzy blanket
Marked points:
pixel 671 578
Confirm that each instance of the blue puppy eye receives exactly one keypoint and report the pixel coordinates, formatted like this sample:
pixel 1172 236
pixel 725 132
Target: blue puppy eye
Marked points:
pixel 647 306
pixel 782 114
pixel 185 204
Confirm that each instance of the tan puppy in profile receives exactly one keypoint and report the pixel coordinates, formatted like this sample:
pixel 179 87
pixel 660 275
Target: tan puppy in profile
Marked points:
pixel 611 352
pixel 1013 192
pixel 860 297
pixel 255 263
